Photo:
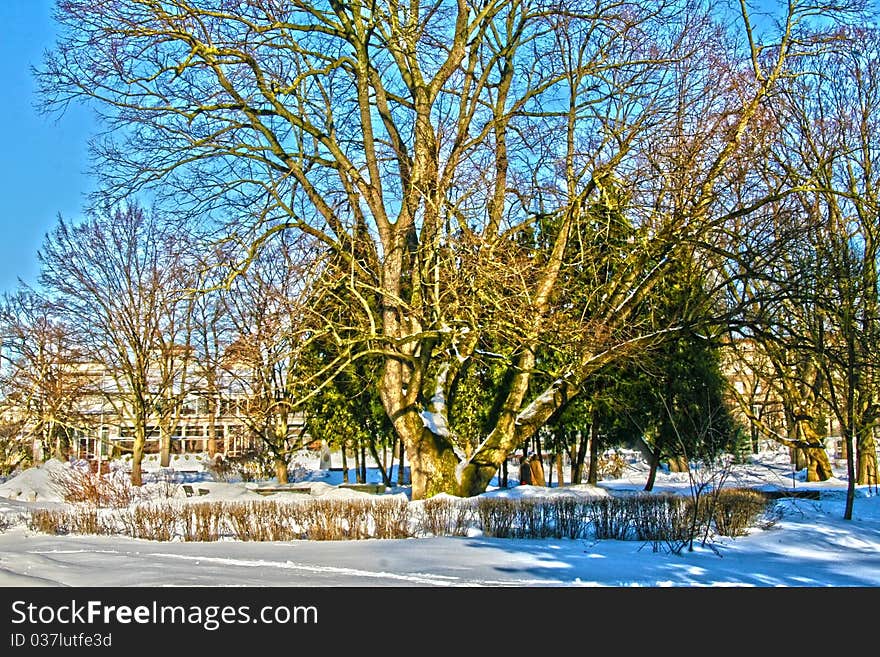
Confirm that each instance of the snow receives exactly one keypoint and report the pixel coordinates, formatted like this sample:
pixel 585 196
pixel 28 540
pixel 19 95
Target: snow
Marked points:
pixel 34 484
pixel 809 545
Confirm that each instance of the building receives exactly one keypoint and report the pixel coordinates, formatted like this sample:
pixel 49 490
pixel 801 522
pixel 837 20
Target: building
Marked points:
pixel 98 423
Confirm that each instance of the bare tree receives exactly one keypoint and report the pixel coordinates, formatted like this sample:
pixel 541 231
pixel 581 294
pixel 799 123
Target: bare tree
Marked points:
pixel 120 281
pixel 833 112
pixel 212 335
pixel 268 314
pixel 44 380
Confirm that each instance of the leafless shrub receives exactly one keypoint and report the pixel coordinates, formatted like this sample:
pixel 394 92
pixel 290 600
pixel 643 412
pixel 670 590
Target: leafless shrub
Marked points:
pixel 81 519
pixel 202 521
pixel 666 521
pixel 570 517
pixel 321 521
pixel 252 465
pixel 496 516
pixel 352 518
pixel 611 517
pixel 75 485
pixel 262 521
pixel 445 516
pixel 390 518
pixel 166 487
pixel 154 522
pixel 48 521
pixel 737 509
pixel 663 520
pixel 86 521
pixel 533 519
pixel 222 469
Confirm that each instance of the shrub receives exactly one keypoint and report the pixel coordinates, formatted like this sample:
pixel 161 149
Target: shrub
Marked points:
pixel 737 509
pixel 446 516
pixel 202 521
pixel 571 517
pixel 611 465
pixel 263 521
pixel 390 518
pixel 221 469
pixel 82 519
pixel 251 465
pixel 47 521
pixel 659 518
pixel 496 516
pixel 666 520
pixel 82 485
pixel 610 517
pixel 154 522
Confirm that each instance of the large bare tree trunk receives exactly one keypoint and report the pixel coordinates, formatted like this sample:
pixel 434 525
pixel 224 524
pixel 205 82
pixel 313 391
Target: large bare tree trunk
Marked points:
pixel 432 461
pixel 577 471
pixel 212 427
pixel 813 456
pixel 867 457
pixel 137 454
pixel 164 447
pixel 593 472
pixel 281 470
pixel 344 463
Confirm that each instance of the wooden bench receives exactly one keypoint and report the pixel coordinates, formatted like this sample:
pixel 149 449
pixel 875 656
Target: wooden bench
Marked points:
pixel 366 488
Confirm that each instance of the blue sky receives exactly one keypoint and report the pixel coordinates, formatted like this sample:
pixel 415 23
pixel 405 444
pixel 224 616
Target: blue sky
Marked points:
pixel 44 161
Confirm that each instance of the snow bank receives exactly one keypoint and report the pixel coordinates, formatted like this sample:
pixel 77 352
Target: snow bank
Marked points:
pixel 197 462
pixel 218 491
pixel 35 484
pixel 584 491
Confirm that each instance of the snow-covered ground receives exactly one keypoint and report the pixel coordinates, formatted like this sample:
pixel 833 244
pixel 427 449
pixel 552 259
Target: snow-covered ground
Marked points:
pixel 810 545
